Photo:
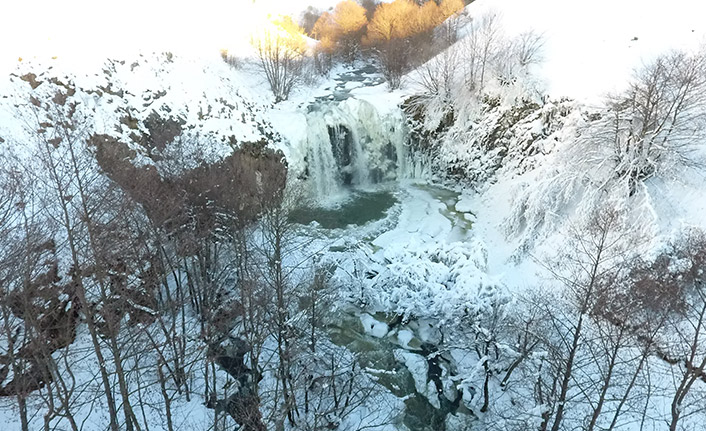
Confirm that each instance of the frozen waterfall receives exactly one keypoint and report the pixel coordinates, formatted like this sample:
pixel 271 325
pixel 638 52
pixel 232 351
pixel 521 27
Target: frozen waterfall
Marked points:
pixel 349 144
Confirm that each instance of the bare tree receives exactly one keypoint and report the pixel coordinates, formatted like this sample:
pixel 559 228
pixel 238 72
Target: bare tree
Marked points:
pixel 86 207
pixel 62 183
pixel 480 47
pixel 654 125
pixel 393 57
pixel 513 58
pixel 439 76
pixel 678 276
pixel 528 47
pixel 277 245
pixel 281 51
pixel 12 365
pixel 597 256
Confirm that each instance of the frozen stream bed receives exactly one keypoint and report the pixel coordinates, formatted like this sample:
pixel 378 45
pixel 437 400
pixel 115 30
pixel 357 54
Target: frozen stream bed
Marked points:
pixel 402 256
pixel 392 215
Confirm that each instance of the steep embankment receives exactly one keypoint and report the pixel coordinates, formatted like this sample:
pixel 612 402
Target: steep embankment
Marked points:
pixel 158 104
pixel 111 174
pixel 531 152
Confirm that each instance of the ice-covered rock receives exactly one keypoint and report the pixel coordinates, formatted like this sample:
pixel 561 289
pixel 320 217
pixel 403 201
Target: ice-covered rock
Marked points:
pixel 373 327
pixel 419 368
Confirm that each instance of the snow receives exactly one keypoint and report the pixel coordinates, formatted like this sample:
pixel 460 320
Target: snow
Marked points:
pixel 418 223
pixel 212 102
pixel 464 205
pixel 202 27
pixel 592 47
pixel 429 331
pixel 679 202
pixel 380 97
pixel 373 327
pixel 404 336
pixel 419 368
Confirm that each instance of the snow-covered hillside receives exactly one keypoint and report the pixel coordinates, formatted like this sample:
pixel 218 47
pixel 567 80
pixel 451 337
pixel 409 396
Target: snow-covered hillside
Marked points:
pixel 210 110
pixel 193 28
pixel 592 48
pixel 524 151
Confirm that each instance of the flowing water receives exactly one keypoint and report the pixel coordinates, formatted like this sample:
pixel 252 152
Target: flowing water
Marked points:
pixel 349 144
pixel 427 404
pixel 378 356
pixel 354 157
pixel 345 82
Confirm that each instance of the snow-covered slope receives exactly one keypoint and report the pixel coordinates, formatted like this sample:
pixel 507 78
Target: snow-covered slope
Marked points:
pixel 525 150
pixel 84 31
pixel 592 47
pixel 209 108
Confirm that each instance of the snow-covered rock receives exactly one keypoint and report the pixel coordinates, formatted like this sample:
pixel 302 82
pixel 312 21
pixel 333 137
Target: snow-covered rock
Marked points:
pixel 373 327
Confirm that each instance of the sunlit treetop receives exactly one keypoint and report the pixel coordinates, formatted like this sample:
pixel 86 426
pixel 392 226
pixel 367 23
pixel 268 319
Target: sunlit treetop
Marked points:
pixel 349 16
pixel 404 18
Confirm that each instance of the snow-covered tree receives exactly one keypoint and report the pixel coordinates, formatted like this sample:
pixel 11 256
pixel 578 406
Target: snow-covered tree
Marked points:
pixel 654 126
pixel 281 49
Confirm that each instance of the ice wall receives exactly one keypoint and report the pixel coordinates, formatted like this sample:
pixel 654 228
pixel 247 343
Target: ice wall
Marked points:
pixel 349 144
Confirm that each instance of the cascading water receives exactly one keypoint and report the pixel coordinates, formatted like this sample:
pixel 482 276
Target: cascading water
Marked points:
pixel 349 144
pixel 321 163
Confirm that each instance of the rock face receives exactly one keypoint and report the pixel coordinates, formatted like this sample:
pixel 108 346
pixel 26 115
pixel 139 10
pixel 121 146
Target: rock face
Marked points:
pixel 244 405
pixel 472 150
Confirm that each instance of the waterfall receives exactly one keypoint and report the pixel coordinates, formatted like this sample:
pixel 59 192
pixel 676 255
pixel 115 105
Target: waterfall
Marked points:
pixel 321 164
pixel 349 144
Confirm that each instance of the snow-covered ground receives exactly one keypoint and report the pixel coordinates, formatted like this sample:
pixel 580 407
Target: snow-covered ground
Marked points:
pixel 85 31
pixel 117 97
pixel 592 47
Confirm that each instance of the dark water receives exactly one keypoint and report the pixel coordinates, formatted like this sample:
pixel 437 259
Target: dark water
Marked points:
pixel 378 354
pixel 362 207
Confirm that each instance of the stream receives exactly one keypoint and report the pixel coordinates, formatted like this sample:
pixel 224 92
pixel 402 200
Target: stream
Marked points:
pixel 400 356
pixel 363 77
pixel 365 197
pixel 410 371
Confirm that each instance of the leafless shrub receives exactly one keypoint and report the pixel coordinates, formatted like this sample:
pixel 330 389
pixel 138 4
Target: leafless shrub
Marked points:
pixel 654 125
pixel 231 60
pixel 529 46
pixel 438 77
pixel 393 58
pixel 480 46
pixel 282 58
pixel 598 256
pixel 682 341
